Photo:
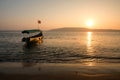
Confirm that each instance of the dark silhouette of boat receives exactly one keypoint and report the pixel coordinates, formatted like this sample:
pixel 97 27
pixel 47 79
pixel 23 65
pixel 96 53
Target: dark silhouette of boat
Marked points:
pixel 34 36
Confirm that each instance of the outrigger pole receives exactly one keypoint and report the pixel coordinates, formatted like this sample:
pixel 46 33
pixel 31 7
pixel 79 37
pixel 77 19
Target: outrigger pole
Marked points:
pixel 39 22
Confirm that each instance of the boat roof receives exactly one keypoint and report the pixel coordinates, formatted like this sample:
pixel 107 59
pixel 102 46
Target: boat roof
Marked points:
pixel 31 31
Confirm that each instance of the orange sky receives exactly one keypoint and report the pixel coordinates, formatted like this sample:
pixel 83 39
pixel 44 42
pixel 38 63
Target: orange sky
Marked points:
pixel 23 14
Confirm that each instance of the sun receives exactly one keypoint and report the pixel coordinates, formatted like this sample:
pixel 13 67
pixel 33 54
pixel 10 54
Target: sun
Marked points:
pixel 89 23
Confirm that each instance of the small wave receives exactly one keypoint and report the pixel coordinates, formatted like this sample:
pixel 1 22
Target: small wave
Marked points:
pixel 54 58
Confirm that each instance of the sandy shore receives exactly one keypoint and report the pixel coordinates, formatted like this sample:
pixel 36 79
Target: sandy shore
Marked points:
pixel 64 76
pixel 58 71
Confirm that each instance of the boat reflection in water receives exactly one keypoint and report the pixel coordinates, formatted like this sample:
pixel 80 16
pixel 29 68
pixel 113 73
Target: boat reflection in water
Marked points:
pixel 35 37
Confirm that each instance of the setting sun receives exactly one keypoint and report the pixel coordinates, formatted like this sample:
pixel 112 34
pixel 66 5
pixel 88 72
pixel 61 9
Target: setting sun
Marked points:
pixel 89 23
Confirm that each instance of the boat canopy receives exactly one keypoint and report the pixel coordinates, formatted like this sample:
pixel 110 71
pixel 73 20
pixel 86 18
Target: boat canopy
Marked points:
pixel 31 31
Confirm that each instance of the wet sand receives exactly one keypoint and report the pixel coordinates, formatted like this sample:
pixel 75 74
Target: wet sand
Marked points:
pixel 67 76
pixel 58 71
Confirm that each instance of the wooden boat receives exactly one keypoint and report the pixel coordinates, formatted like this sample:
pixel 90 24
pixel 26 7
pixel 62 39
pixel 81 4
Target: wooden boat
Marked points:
pixel 34 36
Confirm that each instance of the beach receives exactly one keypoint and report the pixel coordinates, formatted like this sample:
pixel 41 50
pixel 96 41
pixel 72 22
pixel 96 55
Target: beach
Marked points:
pixel 52 71
pixel 61 77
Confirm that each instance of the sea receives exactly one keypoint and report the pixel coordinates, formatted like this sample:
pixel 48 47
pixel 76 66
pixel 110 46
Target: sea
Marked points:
pixel 62 47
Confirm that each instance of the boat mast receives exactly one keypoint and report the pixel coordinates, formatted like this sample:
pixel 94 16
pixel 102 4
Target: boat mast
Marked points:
pixel 39 22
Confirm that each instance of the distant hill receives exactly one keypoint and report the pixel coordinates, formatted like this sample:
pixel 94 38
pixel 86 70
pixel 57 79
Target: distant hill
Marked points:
pixel 77 29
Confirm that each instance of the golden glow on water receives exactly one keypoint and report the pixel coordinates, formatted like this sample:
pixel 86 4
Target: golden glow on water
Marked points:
pixel 89 49
pixel 89 36
pixel 89 42
pixel 90 63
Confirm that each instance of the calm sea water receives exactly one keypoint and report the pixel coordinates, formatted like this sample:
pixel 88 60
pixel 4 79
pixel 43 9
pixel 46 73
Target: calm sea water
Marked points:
pixel 62 47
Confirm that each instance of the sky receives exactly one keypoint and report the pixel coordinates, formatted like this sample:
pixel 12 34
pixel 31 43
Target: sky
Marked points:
pixel 24 14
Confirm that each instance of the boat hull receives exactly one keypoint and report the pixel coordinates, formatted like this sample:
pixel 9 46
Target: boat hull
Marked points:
pixel 33 40
pixel 29 40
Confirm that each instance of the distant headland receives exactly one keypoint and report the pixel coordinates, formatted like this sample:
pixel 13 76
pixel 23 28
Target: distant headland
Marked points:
pixel 77 29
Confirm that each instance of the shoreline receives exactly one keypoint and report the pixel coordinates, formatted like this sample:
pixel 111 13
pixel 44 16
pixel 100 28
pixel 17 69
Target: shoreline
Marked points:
pixel 44 68
pixel 59 71
pixel 63 76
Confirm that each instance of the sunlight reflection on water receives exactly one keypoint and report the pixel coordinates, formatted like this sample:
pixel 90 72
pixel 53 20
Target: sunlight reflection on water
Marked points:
pixel 89 43
pixel 90 64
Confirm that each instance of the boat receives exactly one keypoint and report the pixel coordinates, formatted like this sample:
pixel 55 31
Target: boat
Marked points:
pixel 34 36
